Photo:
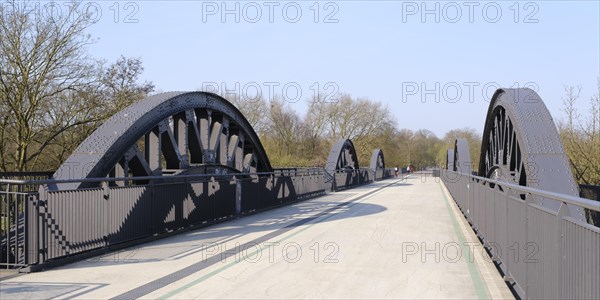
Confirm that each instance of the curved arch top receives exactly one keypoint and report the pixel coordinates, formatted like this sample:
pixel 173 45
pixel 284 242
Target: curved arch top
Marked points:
pixel 521 144
pixel 342 156
pixel 462 157
pixel 377 160
pixel 177 129
pixel 534 134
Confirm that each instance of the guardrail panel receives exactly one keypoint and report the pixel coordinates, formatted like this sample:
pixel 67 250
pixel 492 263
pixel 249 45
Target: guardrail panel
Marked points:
pixel 540 252
pixel 501 219
pixel 543 254
pixel 168 200
pixel 489 215
pixel 67 232
pixel 224 193
pixel 200 207
pixel 580 271
pixel 129 213
pixel 517 228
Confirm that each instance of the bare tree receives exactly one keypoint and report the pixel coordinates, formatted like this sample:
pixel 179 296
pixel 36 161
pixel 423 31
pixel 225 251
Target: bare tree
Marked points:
pixel 253 108
pixel 581 136
pixel 42 58
pixel 570 108
pixel 52 95
pixel 314 128
pixel 284 126
pixel 116 87
pixel 119 83
pixel 358 119
pixel 354 118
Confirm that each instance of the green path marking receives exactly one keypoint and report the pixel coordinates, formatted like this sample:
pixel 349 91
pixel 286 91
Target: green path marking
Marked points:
pixel 480 289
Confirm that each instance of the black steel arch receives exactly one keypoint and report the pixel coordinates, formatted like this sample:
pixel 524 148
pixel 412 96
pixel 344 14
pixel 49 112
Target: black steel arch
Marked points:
pixel 521 145
pixel 377 160
pixel 342 156
pixel 450 159
pixel 178 131
pixel 462 157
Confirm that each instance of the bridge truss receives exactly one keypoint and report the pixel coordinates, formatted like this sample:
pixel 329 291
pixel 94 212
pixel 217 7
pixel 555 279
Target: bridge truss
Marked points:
pixel 524 198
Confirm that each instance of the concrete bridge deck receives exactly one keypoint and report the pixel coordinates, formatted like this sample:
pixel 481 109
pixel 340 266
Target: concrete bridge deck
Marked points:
pixel 390 239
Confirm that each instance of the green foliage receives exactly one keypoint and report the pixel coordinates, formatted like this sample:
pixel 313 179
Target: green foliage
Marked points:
pixel 472 137
pixel 3 225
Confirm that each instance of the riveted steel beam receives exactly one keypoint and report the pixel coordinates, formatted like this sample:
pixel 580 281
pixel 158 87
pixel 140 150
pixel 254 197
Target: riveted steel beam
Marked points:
pixel 177 131
pixel 377 160
pixel 342 156
pixel 521 145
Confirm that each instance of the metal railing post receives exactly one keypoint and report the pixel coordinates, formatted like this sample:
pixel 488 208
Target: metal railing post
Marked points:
pixel 107 216
pixel 7 223
pixel 42 205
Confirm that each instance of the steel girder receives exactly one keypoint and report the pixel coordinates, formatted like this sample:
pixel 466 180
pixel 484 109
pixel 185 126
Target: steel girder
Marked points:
pixel 168 133
pixel 462 157
pixel 377 160
pixel 342 156
pixel 450 159
pixel 521 145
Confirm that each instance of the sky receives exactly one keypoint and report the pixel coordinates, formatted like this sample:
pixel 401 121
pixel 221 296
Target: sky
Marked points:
pixel 434 64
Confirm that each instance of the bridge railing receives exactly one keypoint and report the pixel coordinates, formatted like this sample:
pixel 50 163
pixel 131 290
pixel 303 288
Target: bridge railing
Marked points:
pixel 345 179
pixel 42 225
pixel 542 253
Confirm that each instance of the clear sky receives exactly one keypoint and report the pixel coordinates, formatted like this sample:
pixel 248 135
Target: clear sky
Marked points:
pixel 388 51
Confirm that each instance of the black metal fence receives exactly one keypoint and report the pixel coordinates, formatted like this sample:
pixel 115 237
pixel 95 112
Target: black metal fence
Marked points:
pixel 44 225
pixel 13 200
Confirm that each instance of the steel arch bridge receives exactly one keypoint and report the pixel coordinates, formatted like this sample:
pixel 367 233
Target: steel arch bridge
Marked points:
pixel 184 160
pixel 168 162
pixel 525 194
pixel 520 145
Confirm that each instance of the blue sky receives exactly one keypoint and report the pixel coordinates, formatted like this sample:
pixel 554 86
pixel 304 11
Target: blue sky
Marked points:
pixel 383 50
